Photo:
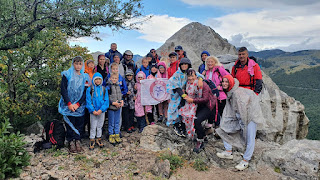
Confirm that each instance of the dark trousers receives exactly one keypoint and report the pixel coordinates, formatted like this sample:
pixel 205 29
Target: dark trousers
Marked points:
pixel 78 124
pixel 86 122
pixel 203 113
pixel 141 122
pixel 127 117
pixel 221 105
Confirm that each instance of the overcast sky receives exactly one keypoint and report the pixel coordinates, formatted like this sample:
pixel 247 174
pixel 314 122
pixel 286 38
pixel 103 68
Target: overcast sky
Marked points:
pixel 290 25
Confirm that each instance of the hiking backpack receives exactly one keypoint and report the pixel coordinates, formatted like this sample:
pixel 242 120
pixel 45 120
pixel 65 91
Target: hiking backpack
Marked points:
pixel 213 87
pixel 55 133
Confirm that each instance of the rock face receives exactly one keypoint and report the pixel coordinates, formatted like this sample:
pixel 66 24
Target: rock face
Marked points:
pixel 297 158
pixel 195 38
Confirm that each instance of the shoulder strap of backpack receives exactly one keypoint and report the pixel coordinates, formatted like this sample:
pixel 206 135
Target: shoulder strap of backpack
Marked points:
pixel 53 141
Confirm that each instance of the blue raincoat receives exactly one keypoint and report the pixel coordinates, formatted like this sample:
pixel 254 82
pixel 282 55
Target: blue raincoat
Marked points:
pixel 178 80
pixel 76 86
pixel 99 100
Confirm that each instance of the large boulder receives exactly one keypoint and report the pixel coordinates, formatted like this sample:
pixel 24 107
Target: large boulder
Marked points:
pixel 297 158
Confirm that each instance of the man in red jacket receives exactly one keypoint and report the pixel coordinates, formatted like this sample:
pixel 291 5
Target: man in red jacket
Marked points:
pixel 247 71
pixel 174 64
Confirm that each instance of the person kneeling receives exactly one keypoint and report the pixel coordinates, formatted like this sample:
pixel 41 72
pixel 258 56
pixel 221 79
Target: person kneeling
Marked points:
pixel 241 118
pixel 206 103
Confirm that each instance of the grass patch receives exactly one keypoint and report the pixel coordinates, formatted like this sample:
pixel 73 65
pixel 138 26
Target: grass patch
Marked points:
pixel 80 157
pixel 277 169
pixel 175 160
pixel 200 165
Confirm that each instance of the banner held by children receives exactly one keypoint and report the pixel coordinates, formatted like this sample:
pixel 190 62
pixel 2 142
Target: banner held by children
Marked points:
pixel 153 91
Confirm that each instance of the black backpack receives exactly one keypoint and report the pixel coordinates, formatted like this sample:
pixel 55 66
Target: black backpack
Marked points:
pixel 55 133
pixel 213 87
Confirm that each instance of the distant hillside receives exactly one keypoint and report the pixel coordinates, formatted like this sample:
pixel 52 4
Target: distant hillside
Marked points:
pixel 275 60
pixel 304 86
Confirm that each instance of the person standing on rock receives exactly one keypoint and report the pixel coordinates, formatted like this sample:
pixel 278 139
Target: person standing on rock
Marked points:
pixel 247 71
pixel 181 53
pixel 116 103
pixel 116 59
pixel 139 109
pixel 97 103
pixel 241 118
pixel 174 64
pixel 113 50
pixel 72 104
pixel 202 67
pixel 127 62
pixel 155 57
pixel 102 67
pixel 214 71
pixel 205 110
pixel 175 86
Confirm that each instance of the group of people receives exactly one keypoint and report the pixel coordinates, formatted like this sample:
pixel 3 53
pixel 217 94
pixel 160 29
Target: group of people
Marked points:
pixel 199 100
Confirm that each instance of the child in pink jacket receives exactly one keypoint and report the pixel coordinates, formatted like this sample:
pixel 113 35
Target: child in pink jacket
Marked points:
pixel 139 109
pixel 163 106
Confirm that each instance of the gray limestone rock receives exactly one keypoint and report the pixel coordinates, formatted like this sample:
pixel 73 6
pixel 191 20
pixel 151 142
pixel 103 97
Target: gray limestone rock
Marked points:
pixel 297 158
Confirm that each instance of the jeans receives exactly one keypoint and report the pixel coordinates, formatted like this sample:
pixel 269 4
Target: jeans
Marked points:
pixel 251 136
pixel 78 124
pixel 114 121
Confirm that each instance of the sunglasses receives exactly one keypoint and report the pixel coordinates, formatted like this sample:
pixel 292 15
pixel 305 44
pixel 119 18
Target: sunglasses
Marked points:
pixel 153 51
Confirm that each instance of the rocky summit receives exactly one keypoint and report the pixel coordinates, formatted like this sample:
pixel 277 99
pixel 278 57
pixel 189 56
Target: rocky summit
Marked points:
pixel 195 38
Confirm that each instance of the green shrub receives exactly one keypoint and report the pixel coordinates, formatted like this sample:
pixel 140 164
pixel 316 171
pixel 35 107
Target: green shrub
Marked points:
pixel 175 160
pixel 13 155
pixel 200 165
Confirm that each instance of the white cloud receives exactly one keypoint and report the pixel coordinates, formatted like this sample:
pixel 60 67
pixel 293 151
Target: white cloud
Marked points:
pixel 160 27
pixel 269 28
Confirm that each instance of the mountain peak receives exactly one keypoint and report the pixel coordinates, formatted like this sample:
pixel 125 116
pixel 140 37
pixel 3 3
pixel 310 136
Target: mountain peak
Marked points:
pixel 195 38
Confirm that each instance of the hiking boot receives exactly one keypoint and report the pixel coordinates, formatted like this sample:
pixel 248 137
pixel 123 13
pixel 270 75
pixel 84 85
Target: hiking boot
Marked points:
pixel 132 129
pixel 111 139
pixel 199 146
pixel 78 146
pixel 72 147
pixel 160 119
pixel 117 138
pixel 242 165
pixel 225 155
pixel 92 143
pixel 99 142
pixel 178 131
pixel 140 130
pixel 129 130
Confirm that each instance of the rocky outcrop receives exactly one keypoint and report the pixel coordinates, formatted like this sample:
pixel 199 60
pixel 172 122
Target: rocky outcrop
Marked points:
pixel 195 38
pixel 297 158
